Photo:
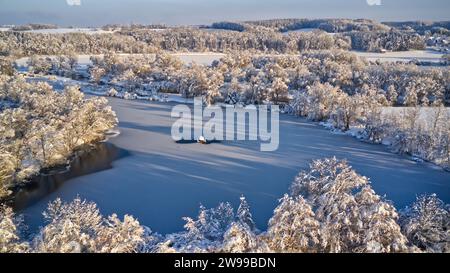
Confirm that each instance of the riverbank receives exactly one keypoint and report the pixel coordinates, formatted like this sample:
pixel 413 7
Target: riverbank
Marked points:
pixel 91 159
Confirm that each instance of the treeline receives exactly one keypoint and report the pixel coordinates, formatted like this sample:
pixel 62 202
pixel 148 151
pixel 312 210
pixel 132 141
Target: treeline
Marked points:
pixel 258 39
pixel 440 27
pixel 133 26
pixel 366 35
pixel 346 25
pixel 330 208
pixel 328 25
pixel 33 27
pixel 150 41
pixel 18 44
pixel 228 26
pixel 41 128
pixel 393 40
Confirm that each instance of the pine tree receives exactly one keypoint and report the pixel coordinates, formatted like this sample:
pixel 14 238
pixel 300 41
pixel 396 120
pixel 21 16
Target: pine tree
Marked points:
pixel 244 216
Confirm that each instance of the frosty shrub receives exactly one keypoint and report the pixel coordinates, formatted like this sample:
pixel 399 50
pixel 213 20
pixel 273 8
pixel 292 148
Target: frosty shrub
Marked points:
pixel 427 223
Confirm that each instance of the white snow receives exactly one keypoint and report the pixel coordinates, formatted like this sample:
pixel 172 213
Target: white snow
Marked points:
pixel 402 56
pixel 204 58
pixel 69 30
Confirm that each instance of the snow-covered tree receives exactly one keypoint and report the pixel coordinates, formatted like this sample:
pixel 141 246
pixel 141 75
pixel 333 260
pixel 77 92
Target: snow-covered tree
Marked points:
pixel 200 81
pixel 391 94
pixel 204 233
pixel 278 90
pixel 346 112
pixel 212 223
pixel 293 227
pixel 6 66
pixel 322 101
pixel 97 73
pixel 78 226
pixel 426 224
pixel 121 236
pixel 299 104
pixel 353 218
pixel 8 163
pixel 380 233
pixel 72 227
pixel 239 238
pixel 10 224
pixel 244 216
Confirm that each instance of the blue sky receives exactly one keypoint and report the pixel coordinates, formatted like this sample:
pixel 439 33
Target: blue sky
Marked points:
pixel 175 12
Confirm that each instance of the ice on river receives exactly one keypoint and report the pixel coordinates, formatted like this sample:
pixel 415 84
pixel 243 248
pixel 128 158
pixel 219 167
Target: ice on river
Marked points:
pixel 162 181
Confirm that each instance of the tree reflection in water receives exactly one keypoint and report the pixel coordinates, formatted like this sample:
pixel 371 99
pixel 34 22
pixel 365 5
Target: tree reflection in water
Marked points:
pixel 98 159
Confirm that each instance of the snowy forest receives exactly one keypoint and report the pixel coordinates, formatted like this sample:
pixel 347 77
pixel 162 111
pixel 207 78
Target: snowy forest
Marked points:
pixel 270 36
pixel 315 76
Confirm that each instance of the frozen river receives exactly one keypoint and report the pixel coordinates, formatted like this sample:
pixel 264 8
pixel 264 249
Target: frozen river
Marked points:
pixel 159 181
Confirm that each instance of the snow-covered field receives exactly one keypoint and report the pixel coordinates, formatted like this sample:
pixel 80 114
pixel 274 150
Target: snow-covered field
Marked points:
pixel 402 56
pixel 69 30
pixel 63 30
pixel 162 181
pixel 205 58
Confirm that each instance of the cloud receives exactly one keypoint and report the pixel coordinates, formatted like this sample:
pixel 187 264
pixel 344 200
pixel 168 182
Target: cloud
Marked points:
pixel 73 2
